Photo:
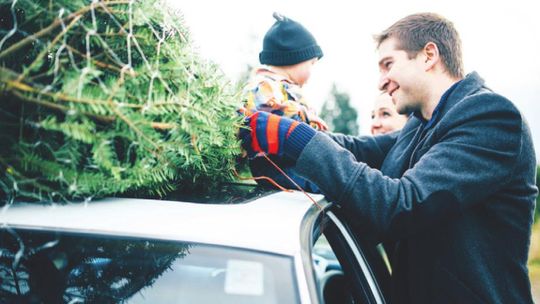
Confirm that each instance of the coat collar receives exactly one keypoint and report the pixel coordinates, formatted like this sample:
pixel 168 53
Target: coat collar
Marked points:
pixel 467 86
pixel 438 109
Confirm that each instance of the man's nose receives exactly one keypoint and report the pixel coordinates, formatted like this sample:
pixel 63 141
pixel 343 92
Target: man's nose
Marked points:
pixel 383 82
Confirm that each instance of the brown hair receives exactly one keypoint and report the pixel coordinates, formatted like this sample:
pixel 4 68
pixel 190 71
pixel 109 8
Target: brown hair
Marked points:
pixel 413 32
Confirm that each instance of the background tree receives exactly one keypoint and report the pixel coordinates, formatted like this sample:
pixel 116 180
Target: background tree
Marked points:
pixel 338 113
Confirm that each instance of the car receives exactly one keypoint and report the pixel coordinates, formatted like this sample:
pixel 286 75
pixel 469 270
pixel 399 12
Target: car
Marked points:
pixel 242 244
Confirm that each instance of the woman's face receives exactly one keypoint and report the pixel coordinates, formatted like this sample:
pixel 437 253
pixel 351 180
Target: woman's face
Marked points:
pixel 384 117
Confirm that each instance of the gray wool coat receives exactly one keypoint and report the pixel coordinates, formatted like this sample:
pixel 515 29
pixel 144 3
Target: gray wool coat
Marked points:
pixel 455 200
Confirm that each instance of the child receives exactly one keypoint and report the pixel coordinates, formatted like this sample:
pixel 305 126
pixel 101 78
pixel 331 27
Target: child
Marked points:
pixel 289 52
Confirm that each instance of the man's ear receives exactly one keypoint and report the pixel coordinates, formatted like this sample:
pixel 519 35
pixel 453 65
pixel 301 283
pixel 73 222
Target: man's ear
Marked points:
pixel 431 55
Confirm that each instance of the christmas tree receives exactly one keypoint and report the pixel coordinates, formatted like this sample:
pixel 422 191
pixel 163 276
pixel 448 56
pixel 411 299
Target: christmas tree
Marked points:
pixel 106 97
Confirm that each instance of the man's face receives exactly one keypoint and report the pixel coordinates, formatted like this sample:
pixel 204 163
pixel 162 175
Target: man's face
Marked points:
pixel 401 77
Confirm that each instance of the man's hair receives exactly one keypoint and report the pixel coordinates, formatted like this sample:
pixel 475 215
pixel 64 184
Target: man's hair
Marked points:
pixel 413 32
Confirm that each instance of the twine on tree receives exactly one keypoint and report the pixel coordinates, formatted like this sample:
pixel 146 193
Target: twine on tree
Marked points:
pixel 276 184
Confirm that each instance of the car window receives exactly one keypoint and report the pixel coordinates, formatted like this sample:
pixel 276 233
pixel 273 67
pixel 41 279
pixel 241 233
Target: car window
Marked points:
pixel 60 267
pixel 342 270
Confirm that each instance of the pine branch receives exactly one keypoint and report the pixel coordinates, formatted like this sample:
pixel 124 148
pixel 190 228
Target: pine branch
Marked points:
pixel 24 42
pixel 45 51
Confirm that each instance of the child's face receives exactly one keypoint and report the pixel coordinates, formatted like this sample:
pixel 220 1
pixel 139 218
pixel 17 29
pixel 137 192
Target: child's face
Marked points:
pixel 301 72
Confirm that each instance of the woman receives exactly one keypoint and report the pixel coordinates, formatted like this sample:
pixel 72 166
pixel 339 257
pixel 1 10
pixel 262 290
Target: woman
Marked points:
pixel 384 117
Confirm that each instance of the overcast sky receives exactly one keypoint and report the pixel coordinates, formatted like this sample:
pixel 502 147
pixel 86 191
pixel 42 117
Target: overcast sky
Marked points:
pixel 501 41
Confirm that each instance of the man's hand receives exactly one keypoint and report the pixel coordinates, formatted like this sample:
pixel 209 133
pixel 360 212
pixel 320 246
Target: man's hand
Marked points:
pixel 275 135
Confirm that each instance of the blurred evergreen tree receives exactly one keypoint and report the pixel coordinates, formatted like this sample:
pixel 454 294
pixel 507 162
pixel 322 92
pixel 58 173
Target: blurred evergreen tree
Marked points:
pixel 338 113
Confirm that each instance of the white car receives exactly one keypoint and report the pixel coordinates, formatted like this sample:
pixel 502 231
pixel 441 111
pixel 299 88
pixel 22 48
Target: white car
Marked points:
pixel 253 247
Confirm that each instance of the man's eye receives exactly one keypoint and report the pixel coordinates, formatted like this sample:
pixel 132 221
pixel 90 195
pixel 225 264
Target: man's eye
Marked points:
pixel 388 64
pixel 386 114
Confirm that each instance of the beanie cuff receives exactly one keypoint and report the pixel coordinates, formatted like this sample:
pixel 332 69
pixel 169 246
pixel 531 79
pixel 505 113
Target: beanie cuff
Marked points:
pixel 283 58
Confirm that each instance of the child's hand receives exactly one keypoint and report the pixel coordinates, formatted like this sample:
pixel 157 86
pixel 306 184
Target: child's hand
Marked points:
pixel 244 111
pixel 319 123
pixel 314 120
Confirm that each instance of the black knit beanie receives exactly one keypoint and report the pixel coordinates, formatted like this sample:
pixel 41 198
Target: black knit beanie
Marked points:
pixel 287 42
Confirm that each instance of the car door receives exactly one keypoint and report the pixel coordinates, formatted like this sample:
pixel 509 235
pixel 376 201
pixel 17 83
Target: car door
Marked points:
pixel 347 269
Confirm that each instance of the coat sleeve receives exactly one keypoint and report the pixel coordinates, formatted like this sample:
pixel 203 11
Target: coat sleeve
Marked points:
pixel 368 149
pixel 473 157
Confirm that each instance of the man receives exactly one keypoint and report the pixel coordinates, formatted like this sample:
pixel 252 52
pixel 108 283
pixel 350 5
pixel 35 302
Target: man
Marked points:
pixel 454 190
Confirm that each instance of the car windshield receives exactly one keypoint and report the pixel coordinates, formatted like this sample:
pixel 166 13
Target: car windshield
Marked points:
pixel 53 267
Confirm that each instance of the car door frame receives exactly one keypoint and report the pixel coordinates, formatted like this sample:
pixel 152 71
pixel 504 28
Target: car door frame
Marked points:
pixel 355 265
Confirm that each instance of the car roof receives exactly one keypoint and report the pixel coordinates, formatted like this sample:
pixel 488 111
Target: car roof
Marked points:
pixel 270 223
